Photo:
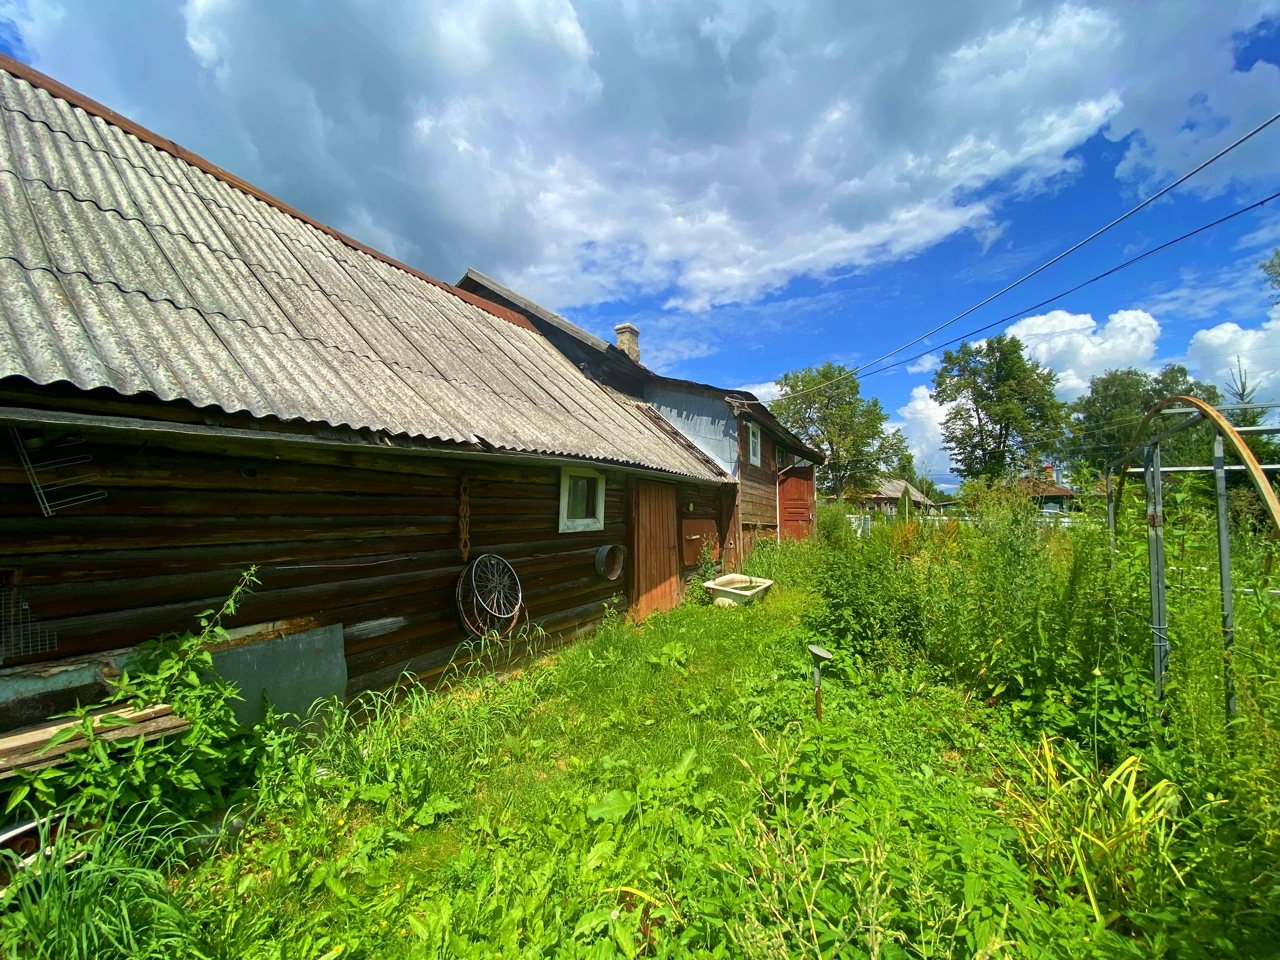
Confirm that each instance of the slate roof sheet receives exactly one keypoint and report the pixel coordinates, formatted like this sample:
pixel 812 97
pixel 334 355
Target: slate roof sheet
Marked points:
pixel 123 265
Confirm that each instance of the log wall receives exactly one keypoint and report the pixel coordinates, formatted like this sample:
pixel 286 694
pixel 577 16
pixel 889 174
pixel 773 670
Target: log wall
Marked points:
pixel 361 538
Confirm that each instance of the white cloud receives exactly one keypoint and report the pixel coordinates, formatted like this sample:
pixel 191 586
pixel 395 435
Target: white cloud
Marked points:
pixel 1213 354
pixel 1237 291
pixel 921 423
pixel 770 390
pixel 925 364
pixel 705 153
pixel 1075 348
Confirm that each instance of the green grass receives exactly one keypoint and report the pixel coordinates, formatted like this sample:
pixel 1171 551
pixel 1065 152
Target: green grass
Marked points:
pixel 990 779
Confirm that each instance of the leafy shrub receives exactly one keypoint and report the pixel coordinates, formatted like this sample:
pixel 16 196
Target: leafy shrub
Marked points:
pixel 187 774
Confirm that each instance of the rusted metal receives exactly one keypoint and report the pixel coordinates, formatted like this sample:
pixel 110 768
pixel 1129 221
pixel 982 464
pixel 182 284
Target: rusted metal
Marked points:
pixel 1228 432
pixel 1224 431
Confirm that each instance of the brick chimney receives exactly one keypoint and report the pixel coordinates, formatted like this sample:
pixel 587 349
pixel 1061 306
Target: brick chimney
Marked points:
pixel 1048 473
pixel 628 340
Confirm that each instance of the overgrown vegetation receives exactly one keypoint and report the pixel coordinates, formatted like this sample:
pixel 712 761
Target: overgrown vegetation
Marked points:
pixel 991 779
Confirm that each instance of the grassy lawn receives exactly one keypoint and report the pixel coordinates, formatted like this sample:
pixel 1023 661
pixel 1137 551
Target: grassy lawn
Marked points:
pixel 663 790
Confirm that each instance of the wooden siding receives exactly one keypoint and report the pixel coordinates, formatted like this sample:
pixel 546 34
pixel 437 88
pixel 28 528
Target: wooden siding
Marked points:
pixel 758 502
pixel 357 537
pixel 657 560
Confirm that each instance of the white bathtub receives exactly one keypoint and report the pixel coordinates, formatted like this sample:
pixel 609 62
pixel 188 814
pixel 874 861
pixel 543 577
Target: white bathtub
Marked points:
pixel 737 589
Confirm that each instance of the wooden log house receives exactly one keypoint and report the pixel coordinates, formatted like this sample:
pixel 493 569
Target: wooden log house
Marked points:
pixel 775 491
pixel 196 378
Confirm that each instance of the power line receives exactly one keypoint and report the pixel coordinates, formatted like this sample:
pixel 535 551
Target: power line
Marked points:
pixel 1044 303
pixel 1044 266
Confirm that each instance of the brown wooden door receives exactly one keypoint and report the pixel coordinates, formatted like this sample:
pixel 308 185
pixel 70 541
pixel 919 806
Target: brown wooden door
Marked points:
pixel 657 558
pixel 796 503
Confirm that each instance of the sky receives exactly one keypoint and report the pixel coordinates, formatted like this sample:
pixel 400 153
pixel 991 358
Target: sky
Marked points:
pixel 758 185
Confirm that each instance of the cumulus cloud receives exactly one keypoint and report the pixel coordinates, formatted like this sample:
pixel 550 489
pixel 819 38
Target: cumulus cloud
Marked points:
pixel 704 153
pixel 1214 353
pixel 770 390
pixel 921 423
pixel 926 363
pixel 1074 347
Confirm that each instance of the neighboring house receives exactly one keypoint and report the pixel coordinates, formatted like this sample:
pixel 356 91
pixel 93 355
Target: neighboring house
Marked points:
pixel 773 467
pixel 889 494
pixel 196 378
pixel 1050 493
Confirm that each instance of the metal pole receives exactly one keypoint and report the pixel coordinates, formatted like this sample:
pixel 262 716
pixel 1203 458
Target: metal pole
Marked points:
pixel 1155 557
pixel 1111 513
pixel 1224 574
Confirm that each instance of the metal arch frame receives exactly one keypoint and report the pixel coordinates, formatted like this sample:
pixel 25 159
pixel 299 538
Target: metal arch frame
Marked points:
pixel 1152 474
pixel 1225 429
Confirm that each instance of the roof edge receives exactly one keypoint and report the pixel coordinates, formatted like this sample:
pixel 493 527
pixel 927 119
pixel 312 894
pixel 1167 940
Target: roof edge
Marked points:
pixel 538 310
pixel 60 90
pixel 343 437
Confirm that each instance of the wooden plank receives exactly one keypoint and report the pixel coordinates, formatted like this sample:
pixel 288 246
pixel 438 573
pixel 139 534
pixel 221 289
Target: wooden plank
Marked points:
pixel 28 748
pixel 657 556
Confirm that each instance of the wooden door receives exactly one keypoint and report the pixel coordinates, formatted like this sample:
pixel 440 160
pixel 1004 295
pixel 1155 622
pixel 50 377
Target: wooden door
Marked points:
pixel 657 558
pixel 796 503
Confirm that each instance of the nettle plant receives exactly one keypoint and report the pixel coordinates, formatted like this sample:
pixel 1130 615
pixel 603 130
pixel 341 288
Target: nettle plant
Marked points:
pixel 186 774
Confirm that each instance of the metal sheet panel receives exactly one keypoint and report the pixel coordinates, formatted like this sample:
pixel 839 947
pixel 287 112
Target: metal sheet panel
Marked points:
pixel 124 266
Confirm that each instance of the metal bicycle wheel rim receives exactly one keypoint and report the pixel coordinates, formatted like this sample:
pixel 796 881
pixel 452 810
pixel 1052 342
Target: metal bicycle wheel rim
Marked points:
pixel 495 586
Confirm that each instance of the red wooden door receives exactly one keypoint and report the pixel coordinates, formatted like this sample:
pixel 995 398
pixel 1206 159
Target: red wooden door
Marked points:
pixel 657 559
pixel 796 503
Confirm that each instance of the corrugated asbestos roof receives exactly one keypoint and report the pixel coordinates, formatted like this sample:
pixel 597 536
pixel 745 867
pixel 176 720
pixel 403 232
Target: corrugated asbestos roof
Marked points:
pixel 125 266
pixel 740 401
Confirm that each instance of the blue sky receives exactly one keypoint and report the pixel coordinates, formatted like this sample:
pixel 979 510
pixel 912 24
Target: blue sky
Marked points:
pixel 758 185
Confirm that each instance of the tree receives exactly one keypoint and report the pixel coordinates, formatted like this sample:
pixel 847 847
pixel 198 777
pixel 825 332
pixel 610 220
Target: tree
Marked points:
pixel 1272 270
pixel 1004 417
pixel 1241 391
pixel 1103 419
pixel 838 421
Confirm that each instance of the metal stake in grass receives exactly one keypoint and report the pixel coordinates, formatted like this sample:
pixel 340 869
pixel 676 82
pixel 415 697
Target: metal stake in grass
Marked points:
pixel 820 656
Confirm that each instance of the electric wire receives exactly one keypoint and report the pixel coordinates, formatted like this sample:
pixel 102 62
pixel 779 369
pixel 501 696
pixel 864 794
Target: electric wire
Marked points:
pixel 1079 286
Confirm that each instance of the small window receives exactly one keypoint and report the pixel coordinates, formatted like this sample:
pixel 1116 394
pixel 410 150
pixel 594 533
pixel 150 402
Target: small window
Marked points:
pixel 754 438
pixel 581 500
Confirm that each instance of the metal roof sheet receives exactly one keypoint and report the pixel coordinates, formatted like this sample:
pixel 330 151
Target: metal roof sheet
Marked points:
pixel 126 266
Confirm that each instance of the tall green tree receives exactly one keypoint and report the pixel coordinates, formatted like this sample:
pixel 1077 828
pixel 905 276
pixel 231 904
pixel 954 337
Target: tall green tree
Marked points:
pixel 1102 420
pixel 1004 417
pixel 824 406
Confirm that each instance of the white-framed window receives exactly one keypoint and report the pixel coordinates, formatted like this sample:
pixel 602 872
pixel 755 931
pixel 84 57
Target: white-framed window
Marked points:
pixel 753 441
pixel 581 499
